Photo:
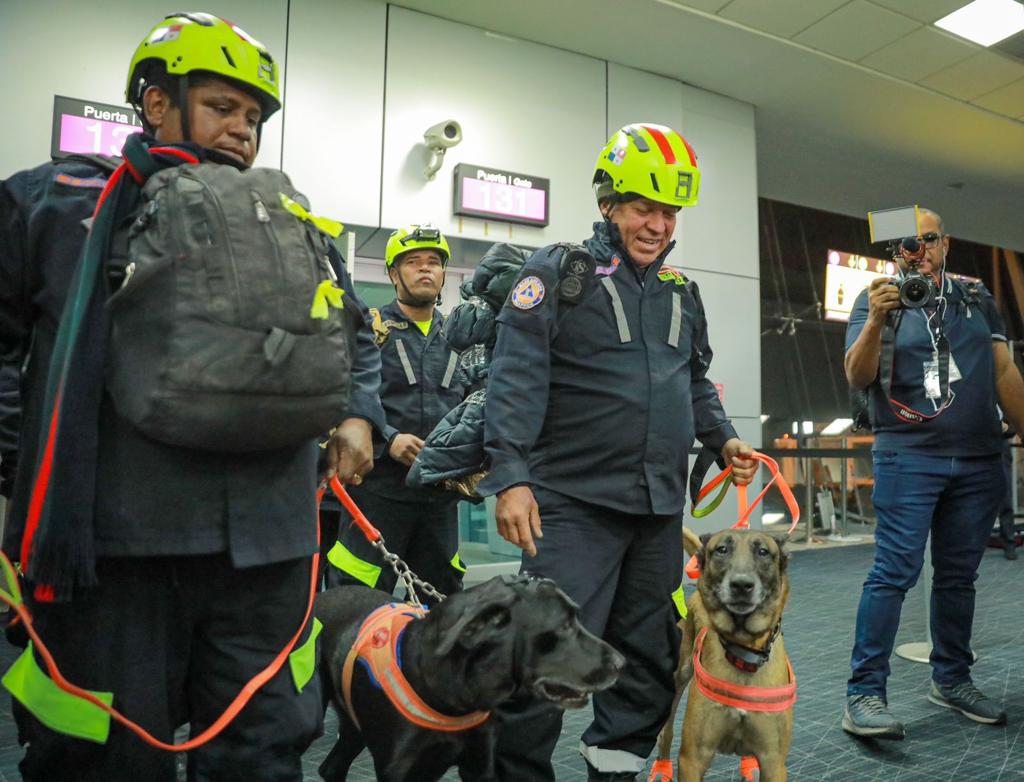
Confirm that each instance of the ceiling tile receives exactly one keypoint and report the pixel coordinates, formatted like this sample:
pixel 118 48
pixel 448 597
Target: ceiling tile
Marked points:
pixel 1007 100
pixel 920 54
pixel 975 76
pixel 711 6
pixel 780 17
pixel 923 10
pixel 856 30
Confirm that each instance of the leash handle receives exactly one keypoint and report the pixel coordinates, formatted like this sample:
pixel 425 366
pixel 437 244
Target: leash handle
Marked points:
pixel 745 509
pixel 359 519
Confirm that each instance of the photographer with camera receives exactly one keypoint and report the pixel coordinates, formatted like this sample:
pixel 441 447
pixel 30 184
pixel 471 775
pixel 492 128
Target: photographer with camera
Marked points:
pixel 920 346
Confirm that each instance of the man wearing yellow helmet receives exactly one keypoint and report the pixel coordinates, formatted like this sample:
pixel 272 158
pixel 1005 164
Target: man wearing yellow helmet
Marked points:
pixel 196 562
pixel 419 385
pixel 597 389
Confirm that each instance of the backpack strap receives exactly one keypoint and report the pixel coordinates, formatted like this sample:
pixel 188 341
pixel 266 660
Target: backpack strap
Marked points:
pixel 106 163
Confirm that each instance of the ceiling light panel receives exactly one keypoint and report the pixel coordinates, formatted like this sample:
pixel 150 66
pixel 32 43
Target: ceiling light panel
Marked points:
pixel 985 21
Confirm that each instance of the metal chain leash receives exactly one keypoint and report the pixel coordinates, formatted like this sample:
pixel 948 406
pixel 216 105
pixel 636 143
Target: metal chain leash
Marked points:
pixel 406 576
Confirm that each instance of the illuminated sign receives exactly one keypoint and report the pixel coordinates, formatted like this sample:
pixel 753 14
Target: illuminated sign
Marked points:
pixel 90 127
pixel 846 275
pixel 493 194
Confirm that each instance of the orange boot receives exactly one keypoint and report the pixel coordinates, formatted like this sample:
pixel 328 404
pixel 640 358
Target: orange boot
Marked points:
pixel 661 771
pixel 749 769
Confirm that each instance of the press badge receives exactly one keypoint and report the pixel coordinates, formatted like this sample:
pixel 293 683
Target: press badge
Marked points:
pixel 932 388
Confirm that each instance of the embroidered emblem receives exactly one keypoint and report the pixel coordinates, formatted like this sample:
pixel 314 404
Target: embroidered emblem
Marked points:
pixel 668 274
pixel 528 293
pixel 74 181
pixel 604 271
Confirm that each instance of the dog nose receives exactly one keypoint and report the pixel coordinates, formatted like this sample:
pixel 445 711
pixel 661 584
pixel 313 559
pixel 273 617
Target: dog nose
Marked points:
pixel 741 586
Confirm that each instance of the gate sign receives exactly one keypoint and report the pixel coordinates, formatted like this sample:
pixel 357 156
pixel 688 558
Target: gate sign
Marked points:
pixel 90 127
pixel 493 194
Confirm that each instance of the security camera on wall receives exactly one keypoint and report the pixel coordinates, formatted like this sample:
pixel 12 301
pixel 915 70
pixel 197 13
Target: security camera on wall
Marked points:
pixel 439 138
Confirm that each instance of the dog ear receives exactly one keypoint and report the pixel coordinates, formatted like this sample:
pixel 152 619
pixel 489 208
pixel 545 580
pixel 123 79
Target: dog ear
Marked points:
pixel 781 540
pixel 485 616
pixel 703 547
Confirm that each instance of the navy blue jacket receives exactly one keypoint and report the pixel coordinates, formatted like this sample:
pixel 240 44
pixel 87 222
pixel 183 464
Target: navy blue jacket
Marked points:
pixel 970 425
pixel 152 499
pixel 420 383
pixel 601 400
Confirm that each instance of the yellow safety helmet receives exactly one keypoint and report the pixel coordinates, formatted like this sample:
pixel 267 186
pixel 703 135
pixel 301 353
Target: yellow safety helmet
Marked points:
pixel 185 43
pixel 652 161
pixel 416 237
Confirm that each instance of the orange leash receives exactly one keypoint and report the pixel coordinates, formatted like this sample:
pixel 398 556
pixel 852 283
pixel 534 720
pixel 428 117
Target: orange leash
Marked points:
pixel 692 568
pixel 14 600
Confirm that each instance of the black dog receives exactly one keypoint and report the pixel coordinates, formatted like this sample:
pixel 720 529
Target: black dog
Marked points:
pixel 508 637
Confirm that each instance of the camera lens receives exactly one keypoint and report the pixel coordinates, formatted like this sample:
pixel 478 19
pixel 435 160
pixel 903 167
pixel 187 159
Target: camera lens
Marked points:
pixel 450 131
pixel 914 291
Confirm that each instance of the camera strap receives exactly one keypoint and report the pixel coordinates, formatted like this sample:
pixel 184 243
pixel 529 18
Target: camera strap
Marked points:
pixel 885 367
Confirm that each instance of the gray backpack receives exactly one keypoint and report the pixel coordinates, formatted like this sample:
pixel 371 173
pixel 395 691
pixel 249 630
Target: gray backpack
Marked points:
pixel 228 332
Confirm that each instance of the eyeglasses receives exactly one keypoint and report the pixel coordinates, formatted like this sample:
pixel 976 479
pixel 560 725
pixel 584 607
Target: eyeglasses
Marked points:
pixel 929 239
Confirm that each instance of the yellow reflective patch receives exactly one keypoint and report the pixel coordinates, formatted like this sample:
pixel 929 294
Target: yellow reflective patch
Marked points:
pixel 325 224
pixel 456 562
pixel 302 660
pixel 58 710
pixel 680 600
pixel 327 295
pixel 347 562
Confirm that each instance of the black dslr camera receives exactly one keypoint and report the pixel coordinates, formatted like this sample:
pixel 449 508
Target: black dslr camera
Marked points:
pixel 916 290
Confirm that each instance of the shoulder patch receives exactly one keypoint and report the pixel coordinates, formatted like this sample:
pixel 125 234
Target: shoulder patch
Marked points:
pixel 528 293
pixel 668 274
pixel 74 181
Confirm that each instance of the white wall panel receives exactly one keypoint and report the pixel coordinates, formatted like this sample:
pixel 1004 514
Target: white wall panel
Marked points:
pixel 733 308
pixel 523 107
pixel 334 118
pixel 720 233
pixel 53 47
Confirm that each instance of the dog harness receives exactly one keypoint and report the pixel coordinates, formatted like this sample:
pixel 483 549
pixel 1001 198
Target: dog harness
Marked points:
pixel 377 647
pixel 738 696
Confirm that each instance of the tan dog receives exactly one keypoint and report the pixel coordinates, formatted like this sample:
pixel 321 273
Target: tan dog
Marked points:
pixel 740 596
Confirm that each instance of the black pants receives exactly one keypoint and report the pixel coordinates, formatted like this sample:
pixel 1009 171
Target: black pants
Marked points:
pixel 425 535
pixel 175 639
pixel 621 569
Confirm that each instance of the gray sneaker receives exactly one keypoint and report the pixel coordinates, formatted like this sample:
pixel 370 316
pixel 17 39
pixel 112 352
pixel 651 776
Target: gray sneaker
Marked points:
pixel 969 701
pixel 869 716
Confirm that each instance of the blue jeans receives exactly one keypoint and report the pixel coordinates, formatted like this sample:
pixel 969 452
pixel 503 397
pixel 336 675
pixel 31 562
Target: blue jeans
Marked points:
pixel 956 499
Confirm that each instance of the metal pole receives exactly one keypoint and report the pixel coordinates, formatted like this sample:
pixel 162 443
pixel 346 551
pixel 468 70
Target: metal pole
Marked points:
pixel 809 498
pixel 844 529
